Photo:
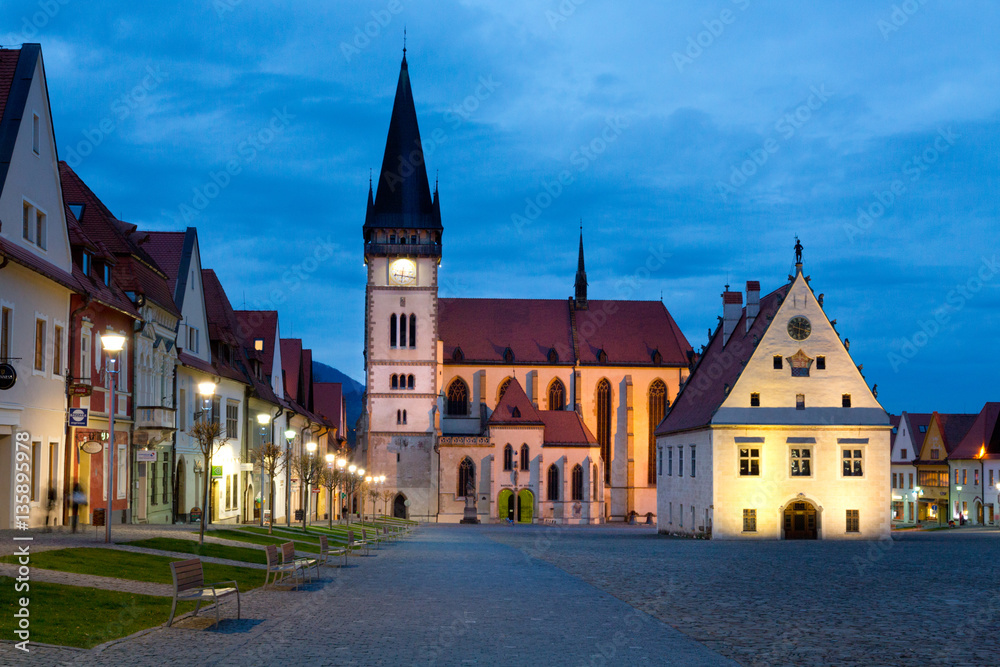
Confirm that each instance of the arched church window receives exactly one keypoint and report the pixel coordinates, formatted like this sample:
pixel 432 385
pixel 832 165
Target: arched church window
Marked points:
pixel 413 330
pixel 525 457
pixel 392 330
pixel 552 492
pixel 501 389
pixel 593 478
pixel 604 425
pixel 402 330
pixel 466 477
pixel 458 398
pixel 557 395
pixel 399 416
pixel 508 458
pixel 409 382
pixel 404 416
pixel 577 482
pixel 394 381
pixel 657 409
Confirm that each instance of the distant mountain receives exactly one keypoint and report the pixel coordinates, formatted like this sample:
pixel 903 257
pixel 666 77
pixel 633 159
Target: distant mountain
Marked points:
pixel 353 391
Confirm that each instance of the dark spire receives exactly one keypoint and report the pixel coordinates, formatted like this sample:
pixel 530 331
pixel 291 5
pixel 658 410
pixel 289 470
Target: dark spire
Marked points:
pixel 581 276
pixel 403 196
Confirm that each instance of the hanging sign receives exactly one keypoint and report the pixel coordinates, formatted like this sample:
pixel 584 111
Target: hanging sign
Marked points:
pixel 79 417
pixel 92 447
pixel 216 471
pixel 148 455
pixel 8 376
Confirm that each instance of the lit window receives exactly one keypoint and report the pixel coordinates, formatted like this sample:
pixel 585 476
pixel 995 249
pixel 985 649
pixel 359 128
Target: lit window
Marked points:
pixel 749 521
pixel 845 401
pixel 258 344
pixel 853 459
pixel 754 400
pixel 801 462
pixel 853 521
pixel 749 462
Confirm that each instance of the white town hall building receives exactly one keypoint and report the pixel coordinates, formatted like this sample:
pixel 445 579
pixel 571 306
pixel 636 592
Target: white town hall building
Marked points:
pixel 473 402
pixel 776 435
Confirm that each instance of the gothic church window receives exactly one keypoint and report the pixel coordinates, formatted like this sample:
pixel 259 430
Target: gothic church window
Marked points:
pixel 466 477
pixel 657 402
pixel 502 389
pixel 409 382
pixel 392 330
pixel 413 330
pixel 402 330
pixel 553 483
pixel 557 395
pixel 458 398
pixel 604 425
pixel 508 458
pixel 525 457
pixel 577 482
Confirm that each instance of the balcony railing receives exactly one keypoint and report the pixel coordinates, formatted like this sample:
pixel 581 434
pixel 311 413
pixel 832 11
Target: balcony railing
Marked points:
pixel 156 417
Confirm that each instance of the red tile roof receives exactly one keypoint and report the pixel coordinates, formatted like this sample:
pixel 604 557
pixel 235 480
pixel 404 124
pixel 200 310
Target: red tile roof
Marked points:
pixel 566 428
pixel 954 427
pixel 515 409
pixel 136 276
pixel 222 329
pixel 291 362
pixel 8 64
pixel 307 381
pixel 30 260
pixel 629 332
pixel 167 249
pixel 255 324
pixel 984 433
pixel 753 285
pixel 194 362
pixel 718 368
pixel 328 399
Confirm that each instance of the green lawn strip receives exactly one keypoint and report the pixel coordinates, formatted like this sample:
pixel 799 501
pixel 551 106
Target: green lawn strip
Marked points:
pixel 133 566
pixel 339 536
pixel 263 540
pixel 85 617
pixel 280 531
pixel 245 554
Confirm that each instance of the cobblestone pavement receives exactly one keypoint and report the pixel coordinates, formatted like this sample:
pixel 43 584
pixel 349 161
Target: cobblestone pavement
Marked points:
pixel 923 598
pixel 446 595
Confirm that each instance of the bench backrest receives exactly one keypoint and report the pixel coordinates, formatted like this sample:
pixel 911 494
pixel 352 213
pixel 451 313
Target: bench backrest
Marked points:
pixel 350 537
pixel 272 555
pixel 324 544
pixel 187 574
pixel 288 552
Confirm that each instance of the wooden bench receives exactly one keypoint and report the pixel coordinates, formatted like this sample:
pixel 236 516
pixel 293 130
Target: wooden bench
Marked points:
pixel 371 536
pixel 288 557
pixel 279 570
pixel 351 543
pixel 325 551
pixel 189 584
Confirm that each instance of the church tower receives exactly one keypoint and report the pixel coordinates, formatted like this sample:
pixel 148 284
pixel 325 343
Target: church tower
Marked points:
pixel 402 236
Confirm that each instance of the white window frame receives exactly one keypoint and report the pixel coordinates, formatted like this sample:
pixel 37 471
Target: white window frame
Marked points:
pixel 750 446
pixel 61 365
pixel 45 344
pixel 10 334
pixel 864 460
pixel 812 460
pixel 36 132
pixel 121 474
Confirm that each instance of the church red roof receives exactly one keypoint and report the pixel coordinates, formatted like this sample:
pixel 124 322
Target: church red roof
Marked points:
pixel 628 332
pixel 566 428
pixel 515 409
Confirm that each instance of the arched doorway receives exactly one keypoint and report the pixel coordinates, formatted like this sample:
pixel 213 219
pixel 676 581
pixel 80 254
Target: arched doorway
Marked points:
pixel 399 506
pixel 800 521
pixel 505 505
pixel 525 506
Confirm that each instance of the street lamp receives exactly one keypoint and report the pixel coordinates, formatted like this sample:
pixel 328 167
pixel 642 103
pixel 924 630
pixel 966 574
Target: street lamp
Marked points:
pixel 289 437
pixel 263 418
pixel 112 343
pixel 329 491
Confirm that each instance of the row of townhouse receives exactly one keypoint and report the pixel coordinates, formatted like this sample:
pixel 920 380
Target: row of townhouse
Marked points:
pixel 70 273
pixel 946 468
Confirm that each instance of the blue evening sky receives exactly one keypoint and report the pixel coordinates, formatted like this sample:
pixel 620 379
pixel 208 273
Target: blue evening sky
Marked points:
pixel 697 139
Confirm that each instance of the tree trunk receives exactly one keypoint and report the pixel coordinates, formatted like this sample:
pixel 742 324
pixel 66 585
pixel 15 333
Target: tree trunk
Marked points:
pixel 204 504
pixel 270 504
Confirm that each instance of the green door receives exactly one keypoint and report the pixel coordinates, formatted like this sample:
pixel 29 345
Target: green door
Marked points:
pixel 505 505
pixel 525 505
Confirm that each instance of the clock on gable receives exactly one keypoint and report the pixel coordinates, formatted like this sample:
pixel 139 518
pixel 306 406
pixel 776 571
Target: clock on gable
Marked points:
pixel 403 272
pixel 799 328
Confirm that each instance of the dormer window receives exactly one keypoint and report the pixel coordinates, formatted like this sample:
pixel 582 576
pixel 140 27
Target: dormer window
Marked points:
pixel 602 357
pixel 553 356
pixel 508 356
pixel 923 429
pixel 106 275
pixel 657 358
pixel 85 263
pixel 258 344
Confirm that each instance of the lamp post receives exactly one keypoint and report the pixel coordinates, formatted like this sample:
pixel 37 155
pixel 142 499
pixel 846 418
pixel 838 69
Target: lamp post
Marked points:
pixel 329 492
pixel 368 480
pixel 263 418
pixel 307 482
pixel 360 487
pixel 351 469
pixel 289 437
pixel 207 390
pixel 112 343
pixel 341 462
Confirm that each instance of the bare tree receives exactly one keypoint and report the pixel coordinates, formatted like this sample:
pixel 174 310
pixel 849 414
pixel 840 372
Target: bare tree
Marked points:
pixel 331 478
pixel 352 483
pixel 374 494
pixel 270 458
pixel 387 495
pixel 208 433
pixel 308 468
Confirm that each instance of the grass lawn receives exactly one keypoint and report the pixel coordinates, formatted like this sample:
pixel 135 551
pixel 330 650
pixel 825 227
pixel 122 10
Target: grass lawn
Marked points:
pixel 137 567
pixel 86 617
pixel 291 532
pixel 265 539
pixel 244 554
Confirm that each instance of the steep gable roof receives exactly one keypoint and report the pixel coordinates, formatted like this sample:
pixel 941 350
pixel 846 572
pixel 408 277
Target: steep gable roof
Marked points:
pixel 566 428
pixel 515 409
pixel 17 70
pixel 172 252
pixel 982 440
pixel 222 329
pixel 404 197
pixel 291 365
pixel 328 400
pixel 263 324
